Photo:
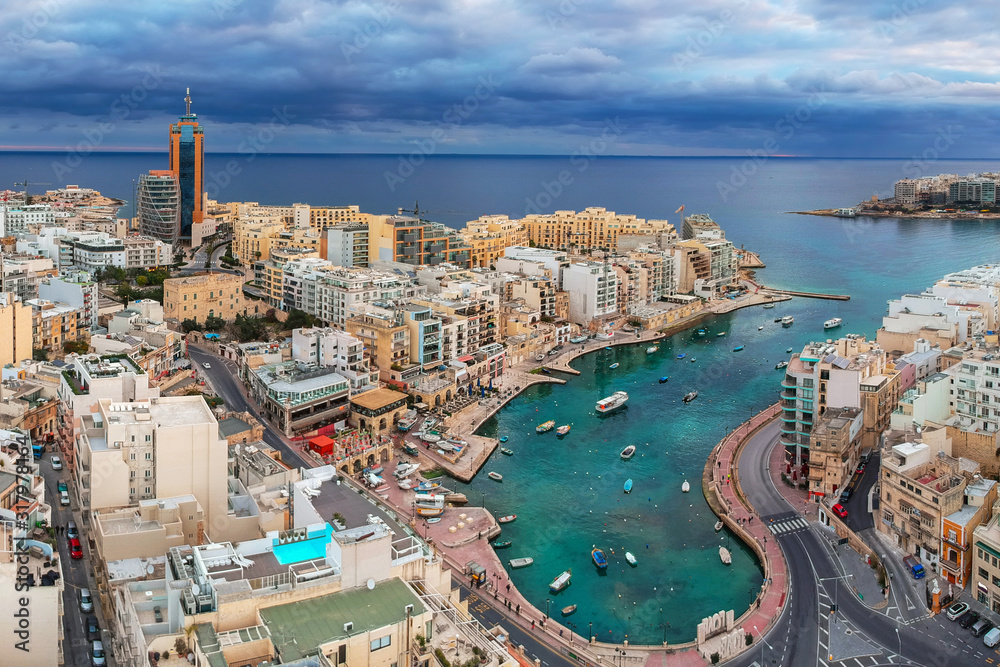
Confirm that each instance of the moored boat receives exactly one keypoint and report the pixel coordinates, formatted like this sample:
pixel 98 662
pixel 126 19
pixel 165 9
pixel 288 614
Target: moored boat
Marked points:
pixel 769 305
pixel 789 350
pixel 560 582
pixel 738 348
pixel 682 355
pixel 495 476
pixel 628 485
pixel 833 323
pixel 720 334
pixel 718 525
pixel 787 321
pixel 701 332
pixel 501 544
pixel 507 518
pixel 503 438
pixel 690 396
pixel 760 328
pixel 651 349
pixel 628 452
pixel 664 379
pixel 506 452
pixel 562 430
pixel 516 563
pixel 545 427
pixel 600 560
pixel 566 611
pixel 694 359
pixel 612 402
pixel 781 364
pixel 613 366
pixel 685 487
pixel 631 559
pixel 725 556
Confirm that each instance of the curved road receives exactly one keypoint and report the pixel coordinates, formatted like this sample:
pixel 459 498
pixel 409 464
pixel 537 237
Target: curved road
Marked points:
pixel 801 636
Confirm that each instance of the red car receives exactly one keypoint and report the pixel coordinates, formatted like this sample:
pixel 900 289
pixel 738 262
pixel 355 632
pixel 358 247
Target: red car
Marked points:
pixel 861 469
pixel 839 510
pixel 75 549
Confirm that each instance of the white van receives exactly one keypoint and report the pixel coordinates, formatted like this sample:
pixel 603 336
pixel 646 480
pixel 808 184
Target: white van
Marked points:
pixel 992 638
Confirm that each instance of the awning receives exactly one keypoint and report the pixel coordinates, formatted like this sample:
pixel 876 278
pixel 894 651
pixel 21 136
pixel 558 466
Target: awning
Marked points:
pixel 982 587
pixel 466 359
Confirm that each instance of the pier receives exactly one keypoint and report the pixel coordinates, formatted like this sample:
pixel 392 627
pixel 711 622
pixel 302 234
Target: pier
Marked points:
pixel 811 295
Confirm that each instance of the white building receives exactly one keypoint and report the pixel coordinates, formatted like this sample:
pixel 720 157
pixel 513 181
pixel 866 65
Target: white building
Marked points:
pixel 333 348
pixel 14 221
pixel 347 244
pixel 593 291
pixel 75 289
pixel 534 262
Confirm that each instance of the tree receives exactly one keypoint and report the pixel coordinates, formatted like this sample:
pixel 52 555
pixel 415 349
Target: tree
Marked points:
pixel 39 354
pixel 298 319
pixel 77 347
pixel 250 328
pixel 213 323
pixel 141 281
pixel 190 325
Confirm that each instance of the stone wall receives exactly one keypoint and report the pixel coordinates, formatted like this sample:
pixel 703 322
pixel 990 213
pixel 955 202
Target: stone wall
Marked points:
pixel 980 447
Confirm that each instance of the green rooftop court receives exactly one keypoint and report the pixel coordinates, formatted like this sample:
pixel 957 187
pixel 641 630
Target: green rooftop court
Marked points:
pixel 298 628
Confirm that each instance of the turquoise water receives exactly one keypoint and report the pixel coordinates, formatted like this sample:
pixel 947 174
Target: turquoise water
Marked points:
pixel 310 549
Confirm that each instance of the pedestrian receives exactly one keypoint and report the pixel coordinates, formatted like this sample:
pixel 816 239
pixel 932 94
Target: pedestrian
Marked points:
pixel 508 588
pixel 532 624
pixel 518 608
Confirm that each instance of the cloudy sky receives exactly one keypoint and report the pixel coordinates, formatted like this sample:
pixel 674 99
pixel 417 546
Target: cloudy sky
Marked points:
pixel 714 77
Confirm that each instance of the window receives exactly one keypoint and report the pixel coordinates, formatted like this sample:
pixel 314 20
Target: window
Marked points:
pixel 149 438
pixel 132 456
pixel 381 642
pixel 149 456
pixel 131 473
pixel 953 536
pixel 149 473
pixel 984 573
pixel 148 490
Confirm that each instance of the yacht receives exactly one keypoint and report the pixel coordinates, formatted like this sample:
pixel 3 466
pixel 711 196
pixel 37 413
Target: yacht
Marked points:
pixel 833 323
pixel 612 402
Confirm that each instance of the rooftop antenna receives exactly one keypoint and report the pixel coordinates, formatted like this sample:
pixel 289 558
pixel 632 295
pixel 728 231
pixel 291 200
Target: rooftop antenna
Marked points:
pixel 187 103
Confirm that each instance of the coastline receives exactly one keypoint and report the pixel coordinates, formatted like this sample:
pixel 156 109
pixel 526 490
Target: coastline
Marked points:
pixel 899 215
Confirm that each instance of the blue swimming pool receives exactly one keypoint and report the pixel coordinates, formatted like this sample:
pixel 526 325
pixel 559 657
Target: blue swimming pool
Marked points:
pixel 310 549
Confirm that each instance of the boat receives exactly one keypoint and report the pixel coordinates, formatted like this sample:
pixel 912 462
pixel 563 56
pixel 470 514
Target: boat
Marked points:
pixel 429 505
pixel 769 305
pixel 456 498
pixel 760 328
pixel 501 545
pixel 600 560
pixel 503 438
pixel 608 347
pixel 430 437
pixel 405 470
pixel 682 355
pixel 613 366
pixel 628 485
pixel 628 452
pixel 789 350
pixel 777 319
pixel 560 582
pixel 506 452
pixel 718 525
pixel 507 518
pixel 720 334
pixel 690 396
pixel 685 487
pixel 545 427
pixel 738 348
pixel 781 364
pixel 408 420
pixel 664 379
pixel 833 323
pixel 539 357
pixel 651 349
pixel 612 402
pixel 694 359
pixel 631 559
pixel 424 487
pixel 516 563
pixel 701 332
pixel 411 450
pixel 495 476
pixel 725 556
pixel 434 520
pixel 566 611
pixel 787 321
pixel 578 339
pixel 562 430
pixel 430 511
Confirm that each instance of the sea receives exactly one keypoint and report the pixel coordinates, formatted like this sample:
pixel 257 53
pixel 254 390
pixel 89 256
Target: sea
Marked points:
pixel 567 492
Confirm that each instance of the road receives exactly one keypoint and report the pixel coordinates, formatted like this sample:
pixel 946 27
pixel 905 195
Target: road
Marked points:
pixel 223 377
pixel 802 634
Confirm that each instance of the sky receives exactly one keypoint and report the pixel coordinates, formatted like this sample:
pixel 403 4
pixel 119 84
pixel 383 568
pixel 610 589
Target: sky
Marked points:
pixel 851 78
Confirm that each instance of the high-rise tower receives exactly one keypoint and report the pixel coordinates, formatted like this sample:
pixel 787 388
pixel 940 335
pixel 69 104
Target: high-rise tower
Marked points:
pixel 187 160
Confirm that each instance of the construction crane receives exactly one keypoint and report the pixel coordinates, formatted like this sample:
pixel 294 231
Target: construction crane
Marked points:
pixel 417 211
pixel 25 184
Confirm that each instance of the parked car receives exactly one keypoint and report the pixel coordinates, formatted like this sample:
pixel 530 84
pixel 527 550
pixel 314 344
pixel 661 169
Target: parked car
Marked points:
pixel 85 600
pixel 62 486
pixel 71 530
pixel 956 610
pixel 75 549
pixel 97 658
pixel 861 469
pixel 93 630
pixel 64 498
pixel 839 510
pixel 992 638
pixel 56 462
pixel 845 495
pixel 968 618
pixel 981 627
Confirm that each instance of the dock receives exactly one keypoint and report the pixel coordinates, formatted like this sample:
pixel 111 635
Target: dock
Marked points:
pixel 811 295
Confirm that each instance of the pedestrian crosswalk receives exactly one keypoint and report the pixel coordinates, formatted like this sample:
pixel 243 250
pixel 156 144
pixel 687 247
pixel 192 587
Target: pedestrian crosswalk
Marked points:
pixel 786 526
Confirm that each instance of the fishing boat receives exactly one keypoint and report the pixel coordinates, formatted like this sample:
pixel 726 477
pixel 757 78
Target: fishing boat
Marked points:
pixel 664 379
pixel 789 350
pixel 651 349
pixel 562 430
pixel 560 582
pixel 424 487
pixel 501 545
pixel 507 518
pixel 685 487
pixel 738 348
pixel 682 355
pixel 405 470
pixel 769 305
pixel 545 427
pixel 631 559
pixel 718 525
pixel 503 438
pixel 517 563
pixel 628 485
pixel 430 437
pixel 434 520
pixel 690 396
pixel 506 452
pixel 720 334
pixel 725 556
pixel 408 420
pixel 613 366
pixel 833 323
pixel 787 321
pixel 777 319
pixel 600 560
pixel 566 611
pixel 612 402
pixel 495 476
pixel 628 452
pixel 781 364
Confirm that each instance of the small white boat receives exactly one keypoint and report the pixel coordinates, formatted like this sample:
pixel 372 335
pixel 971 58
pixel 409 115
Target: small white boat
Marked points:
pixel 769 305
pixel 718 525
pixel 690 396
pixel 613 366
pixel 434 520
pixel 760 328
pixel 787 321
pixel 833 323
pixel 507 518
pixel 560 582
pixel 562 430
pixel 725 556
pixel 781 364
pixel 516 563
pixel 612 402
pixel 788 351
pixel 405 470
pixel 495 476
pixel 631 559
pixel 651 349
pixel 628 452
pixel 685 487
pixel 430 437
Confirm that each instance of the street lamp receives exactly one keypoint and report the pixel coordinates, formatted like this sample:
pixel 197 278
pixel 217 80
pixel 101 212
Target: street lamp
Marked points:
pixel 900 640
pixel 572 629
pixel 761 637
pixel 547 601
pixel 590 632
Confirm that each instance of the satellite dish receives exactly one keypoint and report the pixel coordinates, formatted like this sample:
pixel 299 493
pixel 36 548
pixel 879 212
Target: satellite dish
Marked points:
pixel 150 569
pixel 371 584
pixel 196 589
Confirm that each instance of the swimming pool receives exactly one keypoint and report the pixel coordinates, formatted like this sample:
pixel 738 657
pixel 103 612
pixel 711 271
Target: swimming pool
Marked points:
pixel 310 549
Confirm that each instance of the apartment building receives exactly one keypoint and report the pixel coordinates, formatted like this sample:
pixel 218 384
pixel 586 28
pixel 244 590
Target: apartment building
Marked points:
pixel 16 330
pixel 252 239
pixel 708 267
pixel 76 289
pixel 21 275
pixel 271 274
pixel 426 340
pixel 337 349
pixel 345 244
pixel 905 192
pixel 593 291
pixel 201 296
pixel 926 316
pixel 534 262
pixel 55 324
pixel 321 217
pixel 985 557
pixel 397 238
pixel 297 396
pixel 537 293
pixel 593 228
pixel 385 335
pixel 834 450
pixel 14 220
pixel 490 235
pixel 701 226
pixel 958 529
pixel 339 290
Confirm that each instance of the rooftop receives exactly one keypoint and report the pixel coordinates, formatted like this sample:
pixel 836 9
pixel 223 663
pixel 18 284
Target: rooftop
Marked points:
pixel 231 426
pixel 377 398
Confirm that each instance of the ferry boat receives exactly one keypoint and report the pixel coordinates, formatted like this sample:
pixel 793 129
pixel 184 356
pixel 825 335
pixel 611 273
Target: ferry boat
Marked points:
pixel 781 364
pixel 628 452
pixel 833 323
pixel 516 563
pixel 545 427
pixel 560 582
pixel 600 560
pixel 612 402
pixel 562 430
pixel 690 396
pixel 787 320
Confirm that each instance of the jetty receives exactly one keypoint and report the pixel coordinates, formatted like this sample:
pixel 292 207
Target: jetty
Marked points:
pixel 811 295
